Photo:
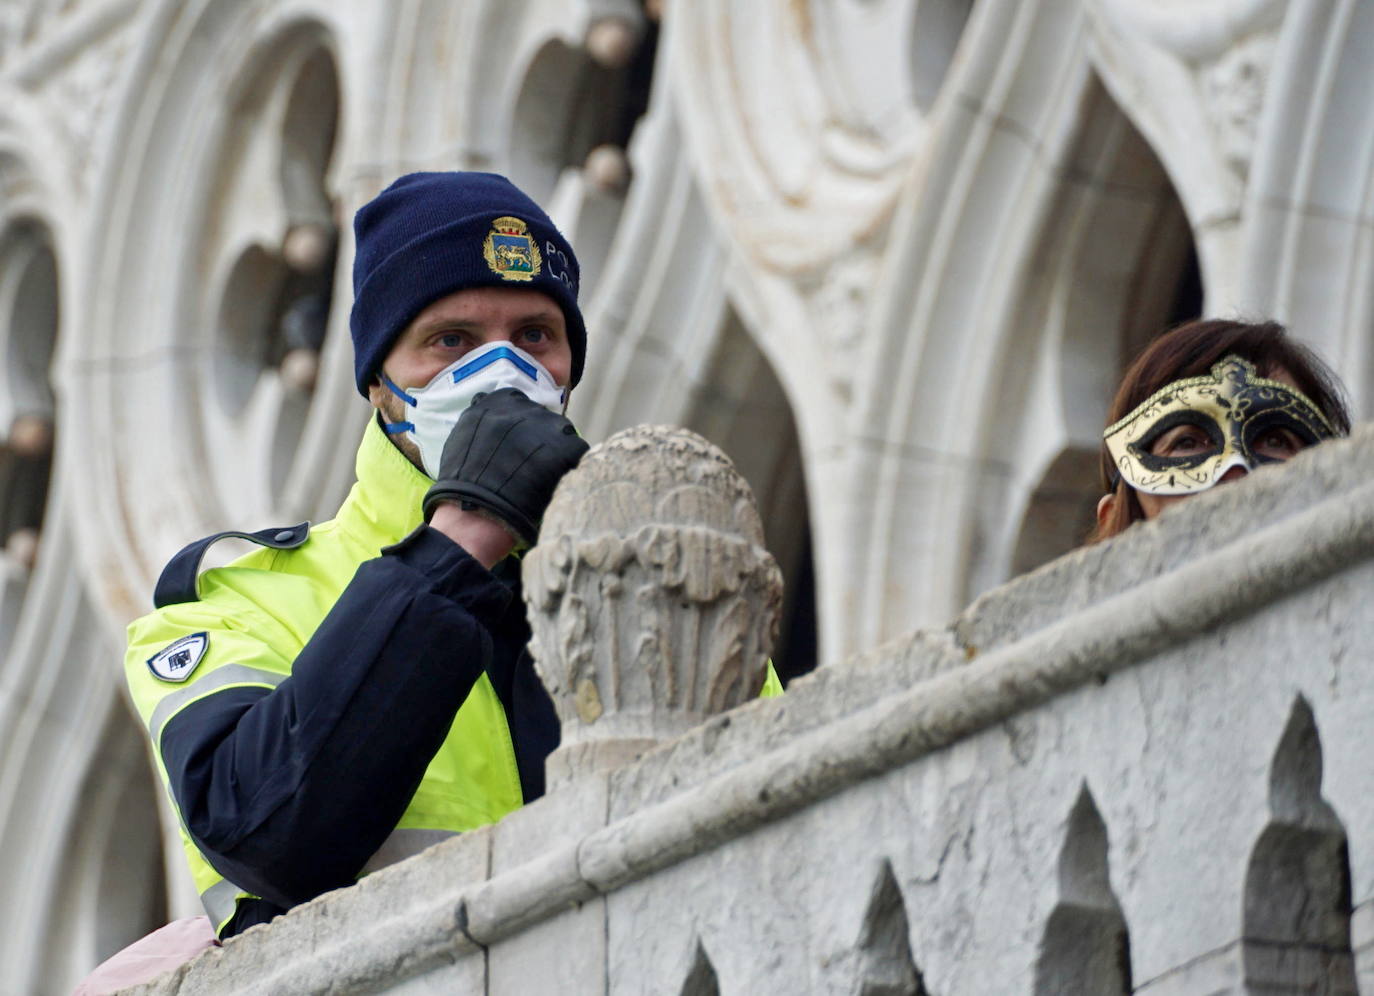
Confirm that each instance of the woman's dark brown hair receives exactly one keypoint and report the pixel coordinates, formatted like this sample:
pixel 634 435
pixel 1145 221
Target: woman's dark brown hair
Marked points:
pixel 1190 350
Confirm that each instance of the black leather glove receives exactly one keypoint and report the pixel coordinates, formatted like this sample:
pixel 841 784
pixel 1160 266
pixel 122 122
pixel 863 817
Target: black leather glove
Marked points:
pixel 506 455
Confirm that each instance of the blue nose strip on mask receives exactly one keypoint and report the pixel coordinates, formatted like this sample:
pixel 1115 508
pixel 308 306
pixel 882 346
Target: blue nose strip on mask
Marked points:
pixel 495 356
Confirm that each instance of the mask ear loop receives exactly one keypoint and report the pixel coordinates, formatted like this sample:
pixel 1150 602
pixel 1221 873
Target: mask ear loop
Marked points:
pixel 395 428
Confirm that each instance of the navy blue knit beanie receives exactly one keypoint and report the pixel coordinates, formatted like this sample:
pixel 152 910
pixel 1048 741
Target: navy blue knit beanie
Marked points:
pixel 431 234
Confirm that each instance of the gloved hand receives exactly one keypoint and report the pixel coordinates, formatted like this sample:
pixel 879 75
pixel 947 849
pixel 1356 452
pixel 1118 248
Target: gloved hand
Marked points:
pixel 506 455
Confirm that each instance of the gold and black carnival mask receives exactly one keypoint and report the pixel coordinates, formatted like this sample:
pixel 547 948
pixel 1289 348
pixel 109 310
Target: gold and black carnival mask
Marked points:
pixel 1234 408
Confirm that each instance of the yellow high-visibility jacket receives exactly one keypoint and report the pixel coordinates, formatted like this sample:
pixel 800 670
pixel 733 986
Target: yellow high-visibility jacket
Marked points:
pixel 320 708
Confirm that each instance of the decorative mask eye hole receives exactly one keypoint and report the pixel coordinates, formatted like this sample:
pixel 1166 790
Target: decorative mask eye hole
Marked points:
pixel 1277 437
pixel 1180 439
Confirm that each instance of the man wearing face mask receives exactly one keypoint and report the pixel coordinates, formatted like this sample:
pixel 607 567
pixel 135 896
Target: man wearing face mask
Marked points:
pixel 354 692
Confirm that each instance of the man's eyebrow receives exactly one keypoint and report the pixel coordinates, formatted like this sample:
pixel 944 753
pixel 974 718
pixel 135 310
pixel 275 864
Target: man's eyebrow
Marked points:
pixel 444 322
pixel 538 315
pixel 456 322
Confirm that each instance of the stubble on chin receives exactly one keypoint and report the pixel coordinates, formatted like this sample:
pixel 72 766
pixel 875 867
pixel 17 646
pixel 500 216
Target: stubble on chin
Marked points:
pixel 393 410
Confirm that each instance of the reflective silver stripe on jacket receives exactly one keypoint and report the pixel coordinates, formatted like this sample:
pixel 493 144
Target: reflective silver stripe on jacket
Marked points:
pixel 402 844
pixel 219 901
pixel 230 674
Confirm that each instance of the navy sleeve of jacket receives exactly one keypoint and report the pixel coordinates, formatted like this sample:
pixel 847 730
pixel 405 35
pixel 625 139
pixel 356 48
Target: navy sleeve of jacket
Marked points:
pixel 289 791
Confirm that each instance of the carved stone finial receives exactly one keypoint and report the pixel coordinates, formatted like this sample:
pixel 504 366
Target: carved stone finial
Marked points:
pixel 652 599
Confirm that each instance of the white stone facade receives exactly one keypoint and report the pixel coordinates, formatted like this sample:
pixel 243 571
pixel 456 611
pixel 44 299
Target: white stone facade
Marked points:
pixel 889 254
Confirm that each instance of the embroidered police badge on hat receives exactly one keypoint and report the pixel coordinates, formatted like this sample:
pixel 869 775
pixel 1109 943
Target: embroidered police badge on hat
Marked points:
pixel 177 661
pixel 510 251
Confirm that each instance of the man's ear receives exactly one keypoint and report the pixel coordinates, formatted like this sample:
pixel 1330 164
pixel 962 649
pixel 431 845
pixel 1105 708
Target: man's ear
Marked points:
pixel 1106 505
pixel 375 391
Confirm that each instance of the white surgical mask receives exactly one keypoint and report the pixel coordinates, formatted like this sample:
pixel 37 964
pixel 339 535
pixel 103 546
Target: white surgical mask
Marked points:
pixel 435 408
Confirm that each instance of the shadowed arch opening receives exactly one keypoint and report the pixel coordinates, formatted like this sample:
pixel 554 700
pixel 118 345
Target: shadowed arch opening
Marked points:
pixel 309 127
pixel 885 964
pixel 1085 947
pixel 740 406
pixel 569 105
pixel 701 975
pixel 937 27
pixel 570 137
pixel 270 242
pixel 28 338
pixel 1297 884
pixel 1117 265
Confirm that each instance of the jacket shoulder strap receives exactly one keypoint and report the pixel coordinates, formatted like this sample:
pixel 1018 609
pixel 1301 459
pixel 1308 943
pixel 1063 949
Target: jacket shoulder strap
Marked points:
pixel 177 582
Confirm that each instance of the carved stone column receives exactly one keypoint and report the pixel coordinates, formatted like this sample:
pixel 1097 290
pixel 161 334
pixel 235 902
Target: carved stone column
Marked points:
pixel 652 599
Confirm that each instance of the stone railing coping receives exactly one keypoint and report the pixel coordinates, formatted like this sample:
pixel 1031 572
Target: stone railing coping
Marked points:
pixel 1012 612
pixel 399 922
pixel 1218 556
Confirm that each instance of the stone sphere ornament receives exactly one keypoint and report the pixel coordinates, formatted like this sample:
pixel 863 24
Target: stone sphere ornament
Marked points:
pixel 607 168
pixel 306 246
pixel 300 369
pixel 612 41
pixel 22 547
pixel 31 436
pixel 652 600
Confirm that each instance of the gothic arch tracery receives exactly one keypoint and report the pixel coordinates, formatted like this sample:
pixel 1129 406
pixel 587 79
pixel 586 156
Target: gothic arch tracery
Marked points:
pixel 886 238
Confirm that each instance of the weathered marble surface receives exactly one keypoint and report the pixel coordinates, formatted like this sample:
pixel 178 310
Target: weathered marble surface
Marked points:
pixel 1140 767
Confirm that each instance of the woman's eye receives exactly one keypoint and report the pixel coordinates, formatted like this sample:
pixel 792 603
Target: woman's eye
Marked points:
pixel 1184 441
pixel 1278 444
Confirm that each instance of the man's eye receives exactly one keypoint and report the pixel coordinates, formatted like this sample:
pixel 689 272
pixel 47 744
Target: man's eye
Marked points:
pixel 534 336
pixel 450 340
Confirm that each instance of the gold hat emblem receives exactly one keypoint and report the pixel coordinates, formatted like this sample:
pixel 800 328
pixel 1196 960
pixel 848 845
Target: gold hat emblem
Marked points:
pixel 510 250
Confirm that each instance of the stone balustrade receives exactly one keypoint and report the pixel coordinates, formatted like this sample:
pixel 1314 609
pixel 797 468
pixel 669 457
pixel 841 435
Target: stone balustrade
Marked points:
pixel 1142 768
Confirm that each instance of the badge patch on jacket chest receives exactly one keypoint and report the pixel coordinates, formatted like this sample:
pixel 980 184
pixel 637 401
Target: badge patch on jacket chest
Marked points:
pixel 176 661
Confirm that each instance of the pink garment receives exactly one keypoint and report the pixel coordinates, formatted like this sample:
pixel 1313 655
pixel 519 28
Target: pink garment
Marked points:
pixel 161 951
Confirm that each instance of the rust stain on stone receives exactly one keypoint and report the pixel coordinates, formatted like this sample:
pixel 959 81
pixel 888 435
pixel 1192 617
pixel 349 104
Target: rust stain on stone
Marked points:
pixel 588 701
